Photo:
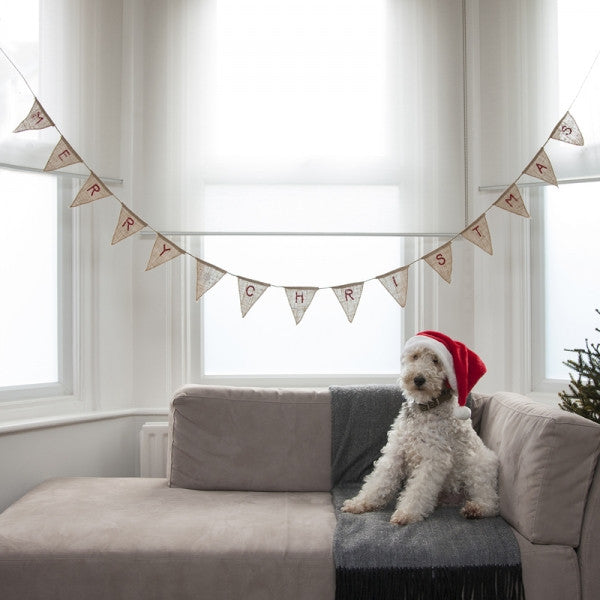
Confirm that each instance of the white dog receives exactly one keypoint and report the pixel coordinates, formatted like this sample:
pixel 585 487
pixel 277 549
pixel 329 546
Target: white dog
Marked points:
pixel 432 448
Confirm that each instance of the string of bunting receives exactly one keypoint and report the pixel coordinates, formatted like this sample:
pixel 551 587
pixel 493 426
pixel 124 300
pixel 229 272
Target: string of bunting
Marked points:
pixel 299 298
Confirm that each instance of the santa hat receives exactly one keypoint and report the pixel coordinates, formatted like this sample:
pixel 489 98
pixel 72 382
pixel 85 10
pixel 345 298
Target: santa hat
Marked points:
pixel 463 367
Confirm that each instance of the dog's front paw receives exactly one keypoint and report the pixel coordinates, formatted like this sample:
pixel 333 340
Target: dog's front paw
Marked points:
pixel 356 506
pixel 401 517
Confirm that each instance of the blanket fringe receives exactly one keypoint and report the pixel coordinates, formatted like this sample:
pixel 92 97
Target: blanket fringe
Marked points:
pixel 439 583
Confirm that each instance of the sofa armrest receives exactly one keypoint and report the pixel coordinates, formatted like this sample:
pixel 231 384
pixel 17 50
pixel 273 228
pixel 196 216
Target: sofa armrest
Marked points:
pixel 548 459
pixel 589 548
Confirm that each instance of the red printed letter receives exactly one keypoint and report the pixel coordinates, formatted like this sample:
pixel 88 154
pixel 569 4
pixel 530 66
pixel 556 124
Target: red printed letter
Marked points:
pixel 440 258
pixel 540 167
pixel 38 114
pixel 95 188
pixel 165 249
pixel 476 228
pixel 348 293
pixel 64 153
pixel 299 296
pixel 129 222
pixel 507 200
pixel 248 288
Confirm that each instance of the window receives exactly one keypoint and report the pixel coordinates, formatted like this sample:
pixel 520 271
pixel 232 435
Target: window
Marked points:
pixel 36 321
pixel 566 241
pixel 323 118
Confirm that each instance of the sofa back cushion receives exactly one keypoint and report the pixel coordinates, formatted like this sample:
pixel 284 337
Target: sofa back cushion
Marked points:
pixel 547 462
pixel 235 438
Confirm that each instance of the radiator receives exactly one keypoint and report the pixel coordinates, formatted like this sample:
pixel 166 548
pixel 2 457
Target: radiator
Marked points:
pixel 153 449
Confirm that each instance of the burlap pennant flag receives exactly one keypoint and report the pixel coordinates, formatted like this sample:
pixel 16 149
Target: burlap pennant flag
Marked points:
pixel 396 283
pixel 162 252
pixel 512 201
pixel 568 131
pixel 541 168
pixel 300 299
pixel 128 224
pixel 250 292
pixel 478 233
pixel 207 275
pixel 36 119
pixel 92 189
pixel 441 261
pixel 62 156
pixel 349 297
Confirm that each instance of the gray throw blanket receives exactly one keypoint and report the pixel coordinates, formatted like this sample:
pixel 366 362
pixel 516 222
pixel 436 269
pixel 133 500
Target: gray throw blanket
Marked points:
pixel 445 556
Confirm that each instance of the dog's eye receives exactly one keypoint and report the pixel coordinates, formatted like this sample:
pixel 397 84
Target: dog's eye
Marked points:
pixel 435 361
pixel 415 356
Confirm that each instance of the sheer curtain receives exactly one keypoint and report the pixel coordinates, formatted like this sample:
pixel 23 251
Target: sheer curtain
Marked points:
pixel 294 117
pixel 303 93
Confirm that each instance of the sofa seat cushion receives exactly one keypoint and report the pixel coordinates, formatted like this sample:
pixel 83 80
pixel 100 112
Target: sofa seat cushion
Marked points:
pixel 132 538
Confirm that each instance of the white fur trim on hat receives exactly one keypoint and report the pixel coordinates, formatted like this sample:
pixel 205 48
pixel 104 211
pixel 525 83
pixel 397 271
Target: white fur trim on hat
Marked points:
pixel 423 341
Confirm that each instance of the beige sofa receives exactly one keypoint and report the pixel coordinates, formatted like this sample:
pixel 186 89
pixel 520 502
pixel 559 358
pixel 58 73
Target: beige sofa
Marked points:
pixel 246 511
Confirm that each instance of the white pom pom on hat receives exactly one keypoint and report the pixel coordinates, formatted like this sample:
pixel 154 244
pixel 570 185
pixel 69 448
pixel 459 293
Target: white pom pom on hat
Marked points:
pixel 463 367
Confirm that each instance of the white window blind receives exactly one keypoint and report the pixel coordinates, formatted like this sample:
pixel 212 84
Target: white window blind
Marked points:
pixel 303 93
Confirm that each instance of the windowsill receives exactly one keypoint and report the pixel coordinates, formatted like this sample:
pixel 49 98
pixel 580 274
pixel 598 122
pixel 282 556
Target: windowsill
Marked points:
pixel 31 424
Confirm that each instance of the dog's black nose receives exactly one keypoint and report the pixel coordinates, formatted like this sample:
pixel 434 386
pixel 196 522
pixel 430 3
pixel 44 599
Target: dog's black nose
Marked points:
pixel 419 380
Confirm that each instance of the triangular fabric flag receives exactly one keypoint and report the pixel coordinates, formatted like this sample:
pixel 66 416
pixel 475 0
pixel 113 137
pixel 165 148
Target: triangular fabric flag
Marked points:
pixel 92 189
pixel 541 168
pixel 478 233
pixel 250 292
pixel 441 261
pixel 207 275
pixel 300 299
pixel 162 252
pixel 568 131
pixel 512 201
pixel 349 297
pixel 62 156
pixel 396 283
pixel 36 119
pixel 128 224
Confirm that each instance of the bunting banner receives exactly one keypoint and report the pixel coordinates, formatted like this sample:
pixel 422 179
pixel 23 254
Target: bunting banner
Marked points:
pixel 300 297
pixel 349 297
pixel 541 167
pixel 92 189
pixel 162 252
pixel 36 119
pixel 512 201
pixel 128 224
pixel 567 131
pixel 479 234
pixel 250 292
pixel 396 283
pixel 62 156
pixel 440 260
pixel 207 275
pixel 299 300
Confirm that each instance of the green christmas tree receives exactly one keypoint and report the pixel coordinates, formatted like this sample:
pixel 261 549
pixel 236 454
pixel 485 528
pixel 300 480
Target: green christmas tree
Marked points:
pixel 583 396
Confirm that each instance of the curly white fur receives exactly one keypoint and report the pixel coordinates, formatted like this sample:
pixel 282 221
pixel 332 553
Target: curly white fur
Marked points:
pixel 429 452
